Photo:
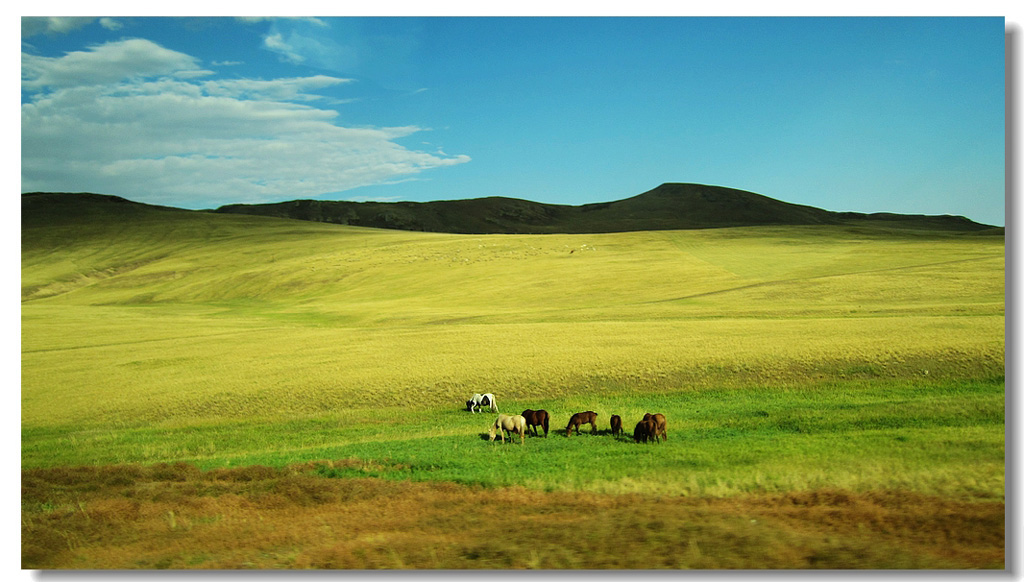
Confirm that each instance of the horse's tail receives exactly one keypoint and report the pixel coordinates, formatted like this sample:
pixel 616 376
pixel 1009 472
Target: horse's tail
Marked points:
pixel 494 404
pixel 545 424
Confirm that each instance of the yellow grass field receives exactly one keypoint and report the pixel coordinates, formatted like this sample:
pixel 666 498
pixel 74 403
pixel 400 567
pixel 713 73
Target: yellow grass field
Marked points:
pixel 227 316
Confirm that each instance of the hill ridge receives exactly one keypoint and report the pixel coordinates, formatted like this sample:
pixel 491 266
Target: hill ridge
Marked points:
pixel 670 206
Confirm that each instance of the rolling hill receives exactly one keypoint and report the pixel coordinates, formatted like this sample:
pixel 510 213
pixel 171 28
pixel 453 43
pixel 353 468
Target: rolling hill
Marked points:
pixel 667 207
pixel 671 206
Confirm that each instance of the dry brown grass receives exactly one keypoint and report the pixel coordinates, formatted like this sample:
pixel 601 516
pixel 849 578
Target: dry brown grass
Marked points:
pixel 174 516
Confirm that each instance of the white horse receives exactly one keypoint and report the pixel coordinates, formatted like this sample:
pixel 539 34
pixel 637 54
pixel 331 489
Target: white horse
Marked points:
pixel 512 424
pixel 480 401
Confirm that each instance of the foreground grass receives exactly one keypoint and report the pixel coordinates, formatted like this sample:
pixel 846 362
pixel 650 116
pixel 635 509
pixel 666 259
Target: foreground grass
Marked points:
pixel 173 516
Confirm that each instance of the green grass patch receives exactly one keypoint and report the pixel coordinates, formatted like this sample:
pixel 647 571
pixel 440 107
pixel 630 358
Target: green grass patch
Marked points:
pixel 930 437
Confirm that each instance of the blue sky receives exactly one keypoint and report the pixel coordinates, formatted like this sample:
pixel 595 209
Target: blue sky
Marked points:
pixel 847 114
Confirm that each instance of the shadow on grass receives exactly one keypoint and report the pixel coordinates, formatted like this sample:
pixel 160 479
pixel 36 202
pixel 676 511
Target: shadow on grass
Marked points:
pixel 622 437
pixel 486 437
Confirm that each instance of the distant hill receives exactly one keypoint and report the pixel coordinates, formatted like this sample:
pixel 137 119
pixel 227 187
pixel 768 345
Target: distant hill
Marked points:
pixel 668 207
pixel 56 208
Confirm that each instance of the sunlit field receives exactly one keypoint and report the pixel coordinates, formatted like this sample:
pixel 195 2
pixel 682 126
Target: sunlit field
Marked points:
pixel 787 360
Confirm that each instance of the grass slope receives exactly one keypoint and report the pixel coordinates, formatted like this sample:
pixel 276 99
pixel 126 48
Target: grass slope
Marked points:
pixel 787 359
pixel 194 316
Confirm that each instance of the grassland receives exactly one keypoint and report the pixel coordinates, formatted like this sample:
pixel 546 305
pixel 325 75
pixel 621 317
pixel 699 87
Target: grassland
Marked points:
pixel 788 360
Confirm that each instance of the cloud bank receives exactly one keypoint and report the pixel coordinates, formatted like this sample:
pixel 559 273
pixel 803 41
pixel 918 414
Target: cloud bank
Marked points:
pixel 136 119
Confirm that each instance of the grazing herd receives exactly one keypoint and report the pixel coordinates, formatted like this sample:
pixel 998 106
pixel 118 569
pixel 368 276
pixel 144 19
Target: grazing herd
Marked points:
pixel 652 427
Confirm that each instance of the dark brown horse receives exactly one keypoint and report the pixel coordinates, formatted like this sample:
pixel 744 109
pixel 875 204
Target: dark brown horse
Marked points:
pixel 644 431
pixel 535 418
pixel 616 424
pixel 659 425
pixel 588 417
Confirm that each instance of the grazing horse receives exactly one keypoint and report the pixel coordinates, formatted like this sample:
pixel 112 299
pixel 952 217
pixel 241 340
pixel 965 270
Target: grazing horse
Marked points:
pixel 588 417
pixel 616 424
pixel 659 425
pixel 512 424
pixel 535 418
pixel 644 431
pixel 480 401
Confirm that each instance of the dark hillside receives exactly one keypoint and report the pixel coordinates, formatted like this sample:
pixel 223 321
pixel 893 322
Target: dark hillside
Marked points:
pixel 56 208
pixel 477 216
pixel 667 207
pixel 686 206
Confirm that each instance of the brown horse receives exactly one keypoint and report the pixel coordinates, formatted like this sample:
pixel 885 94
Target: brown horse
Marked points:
pixel 514 425
pixel 644 431
pixel 616 424
pixel 535 418
pixel 588 417
pixel 659 425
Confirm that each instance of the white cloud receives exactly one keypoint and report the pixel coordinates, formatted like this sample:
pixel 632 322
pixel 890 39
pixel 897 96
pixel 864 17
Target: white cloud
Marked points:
pixel 276 43
pixel 33 25
pixel 311 42
pixel 104 64
pixel 110 24
pixel 277 90
pixel 123 119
